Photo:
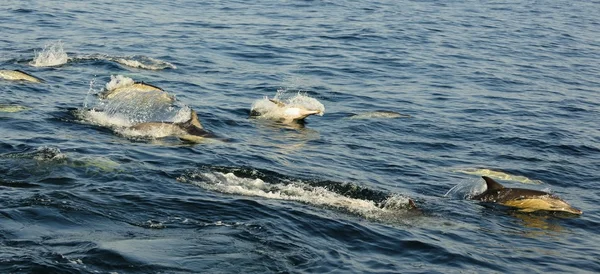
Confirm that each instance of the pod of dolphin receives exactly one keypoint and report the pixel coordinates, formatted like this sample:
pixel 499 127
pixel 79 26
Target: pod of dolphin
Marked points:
pixel 523 200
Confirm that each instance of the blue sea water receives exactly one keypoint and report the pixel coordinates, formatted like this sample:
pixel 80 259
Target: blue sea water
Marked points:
pixel 488 85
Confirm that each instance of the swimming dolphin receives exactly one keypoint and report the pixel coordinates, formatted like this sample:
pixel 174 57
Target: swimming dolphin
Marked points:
pixel 497 174
pixel 12 108
pixel 16 75
pixel 190 130
pixel 283 112
pixel 526 200
pixel 137 87
pixel 379 114
pixel 294 113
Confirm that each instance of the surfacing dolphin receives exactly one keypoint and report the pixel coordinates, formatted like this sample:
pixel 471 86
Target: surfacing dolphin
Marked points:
pixel 293 112
pixel 18 75
pixel 379 114
pixel 283 112
pixel 137 87
pixel 526 200
pixel 191 130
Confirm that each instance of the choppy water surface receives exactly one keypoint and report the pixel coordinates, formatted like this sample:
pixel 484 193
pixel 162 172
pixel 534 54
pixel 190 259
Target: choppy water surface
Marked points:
pixel 420 99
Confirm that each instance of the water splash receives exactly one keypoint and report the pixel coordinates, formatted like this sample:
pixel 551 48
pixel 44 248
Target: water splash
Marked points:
pixel 53 54
pixel 91 91
pixel 118 81
pixel 466 189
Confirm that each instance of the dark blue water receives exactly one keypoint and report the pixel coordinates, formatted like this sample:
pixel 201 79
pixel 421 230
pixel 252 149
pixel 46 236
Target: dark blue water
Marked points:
pixel 489 85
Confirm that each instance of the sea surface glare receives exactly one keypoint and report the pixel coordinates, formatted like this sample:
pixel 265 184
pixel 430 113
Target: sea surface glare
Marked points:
pixel 419 99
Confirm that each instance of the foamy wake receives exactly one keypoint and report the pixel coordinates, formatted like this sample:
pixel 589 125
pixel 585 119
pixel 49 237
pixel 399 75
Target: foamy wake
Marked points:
pixel 53 54
pixel 392 208
pixel 266 109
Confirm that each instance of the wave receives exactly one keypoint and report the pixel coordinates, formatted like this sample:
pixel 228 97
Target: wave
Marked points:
pixel 347 197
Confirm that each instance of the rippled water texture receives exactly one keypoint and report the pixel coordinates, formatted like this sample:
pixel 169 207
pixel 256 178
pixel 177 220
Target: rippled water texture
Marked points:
pixel 419 100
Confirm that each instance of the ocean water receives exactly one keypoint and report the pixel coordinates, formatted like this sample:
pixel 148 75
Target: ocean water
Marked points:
pixel 507 89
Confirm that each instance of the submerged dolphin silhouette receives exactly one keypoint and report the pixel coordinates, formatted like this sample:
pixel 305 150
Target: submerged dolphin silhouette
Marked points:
pixel 526 200
pixel 191 130
pixel 16 75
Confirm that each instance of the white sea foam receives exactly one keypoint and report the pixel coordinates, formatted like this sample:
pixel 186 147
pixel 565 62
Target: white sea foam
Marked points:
pixel 298 191
pixel 53 54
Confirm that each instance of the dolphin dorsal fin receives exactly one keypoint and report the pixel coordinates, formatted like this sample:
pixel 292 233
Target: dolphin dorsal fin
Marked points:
pixel 28 74
pixel 194 119
pixel 491 184
pixel 277 102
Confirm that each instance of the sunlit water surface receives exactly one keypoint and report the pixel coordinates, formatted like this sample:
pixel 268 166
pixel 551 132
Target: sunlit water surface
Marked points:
pixel 420 99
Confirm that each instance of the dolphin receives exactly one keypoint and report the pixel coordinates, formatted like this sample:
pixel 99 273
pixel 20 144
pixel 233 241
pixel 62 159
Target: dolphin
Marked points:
pixel 379 114
pixel 137 87
pixel 284 112
pixel 12 108
pixel 526 200
pixel 497 174
pixel 19 75
pixel 191 130
pixel 294 113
